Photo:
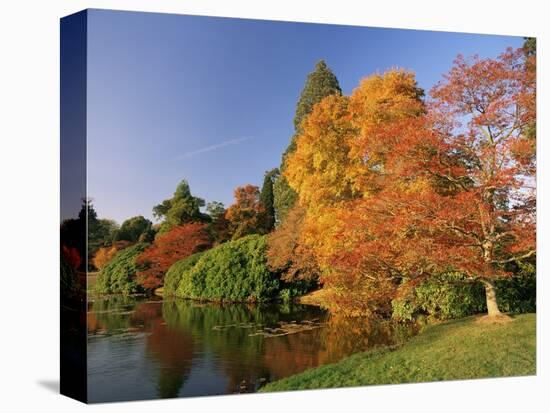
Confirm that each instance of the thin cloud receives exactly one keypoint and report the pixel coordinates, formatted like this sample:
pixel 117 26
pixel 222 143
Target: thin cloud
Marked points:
pixel 210 148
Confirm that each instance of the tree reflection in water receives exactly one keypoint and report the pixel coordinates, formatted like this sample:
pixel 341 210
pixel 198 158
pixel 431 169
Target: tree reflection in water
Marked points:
pixel 245 345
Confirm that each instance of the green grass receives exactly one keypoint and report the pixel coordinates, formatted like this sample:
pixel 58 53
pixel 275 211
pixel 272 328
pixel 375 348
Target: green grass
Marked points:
pixel 455 350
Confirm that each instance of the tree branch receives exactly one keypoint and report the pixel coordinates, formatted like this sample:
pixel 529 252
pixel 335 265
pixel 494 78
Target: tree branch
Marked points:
pixel 526 255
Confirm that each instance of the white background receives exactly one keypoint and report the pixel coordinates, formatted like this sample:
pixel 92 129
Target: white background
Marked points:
pixel 29 204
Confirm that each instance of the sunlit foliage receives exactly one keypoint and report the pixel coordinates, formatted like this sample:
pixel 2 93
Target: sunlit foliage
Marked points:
pixel 245 215
pixel 396 190
pixel 178 243
pixel 234 271
pixel 320 83
pixel 103 256
pixel 119 275
pixel 287 253
pixel 181 209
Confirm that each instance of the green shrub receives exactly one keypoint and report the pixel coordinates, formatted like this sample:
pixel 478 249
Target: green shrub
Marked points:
pixel 289 290
pixel 119 275
pixel 518 294
pixel 233 271
pixel 450 296
pixel 443 297
pixel 175 273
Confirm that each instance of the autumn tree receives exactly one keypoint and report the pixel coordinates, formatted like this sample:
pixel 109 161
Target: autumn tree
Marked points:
pixel 71 256
pixel 287 252
pixel 181 209
pixel 320 83
pixel 245 214
pixel 103 256
pixel 484 109
pixel 332 174
pixel 169 247
pixel 450 189
pixel 319 170
pixel 69 261
pixel 87 233
pixel 73 234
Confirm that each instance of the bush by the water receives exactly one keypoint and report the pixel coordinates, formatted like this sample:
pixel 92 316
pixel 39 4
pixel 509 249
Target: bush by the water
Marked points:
pixel 233 271
pixel 119 275
pixel 450 296
pixel 176 271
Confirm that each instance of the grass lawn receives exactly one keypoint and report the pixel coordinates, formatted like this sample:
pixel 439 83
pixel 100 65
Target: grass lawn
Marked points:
pixel 455 350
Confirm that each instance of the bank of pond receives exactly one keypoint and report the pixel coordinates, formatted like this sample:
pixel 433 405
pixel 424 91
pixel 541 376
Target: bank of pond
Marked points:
pixel 227 324
pixel 142 347
pixel 237 271
pixel 454 350
pixel 234 271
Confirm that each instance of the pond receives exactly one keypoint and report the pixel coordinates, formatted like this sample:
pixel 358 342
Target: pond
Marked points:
pixel 144 348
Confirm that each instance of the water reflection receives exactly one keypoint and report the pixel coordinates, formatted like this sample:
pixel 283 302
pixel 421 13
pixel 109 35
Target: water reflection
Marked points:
pixel 140 348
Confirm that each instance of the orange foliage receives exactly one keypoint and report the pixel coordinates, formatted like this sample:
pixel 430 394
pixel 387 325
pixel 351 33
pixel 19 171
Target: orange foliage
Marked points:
pixel 246 214
pixel 416 191
pixel 174 245
pixel 287 252
pixel 103 256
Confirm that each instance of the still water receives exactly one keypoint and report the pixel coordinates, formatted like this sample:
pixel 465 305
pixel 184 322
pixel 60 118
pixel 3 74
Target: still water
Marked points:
pixel 142 348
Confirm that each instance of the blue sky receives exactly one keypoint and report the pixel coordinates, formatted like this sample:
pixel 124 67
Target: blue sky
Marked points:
pixel 211 100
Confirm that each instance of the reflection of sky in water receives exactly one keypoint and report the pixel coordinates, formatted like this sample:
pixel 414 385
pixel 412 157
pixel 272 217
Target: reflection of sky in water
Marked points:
pixel 204 379
pixel 120 369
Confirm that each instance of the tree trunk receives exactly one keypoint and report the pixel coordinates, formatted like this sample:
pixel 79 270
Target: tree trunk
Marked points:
pixel 491 296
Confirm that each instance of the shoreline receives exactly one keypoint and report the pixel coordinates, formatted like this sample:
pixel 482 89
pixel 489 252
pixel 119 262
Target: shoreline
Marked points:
pixel 452 350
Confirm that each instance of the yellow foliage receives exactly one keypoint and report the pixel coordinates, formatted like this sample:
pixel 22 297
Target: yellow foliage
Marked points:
pixel 319 168
pixel 103 256
pixel 384 98
pixel 339 160
pixel 338 157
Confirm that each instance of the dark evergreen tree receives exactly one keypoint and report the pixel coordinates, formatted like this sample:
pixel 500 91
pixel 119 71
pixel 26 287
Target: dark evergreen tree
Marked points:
pixel 319 84
pixel 88 214
pixel 83 233
pixel 219 225
pixel 267 199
